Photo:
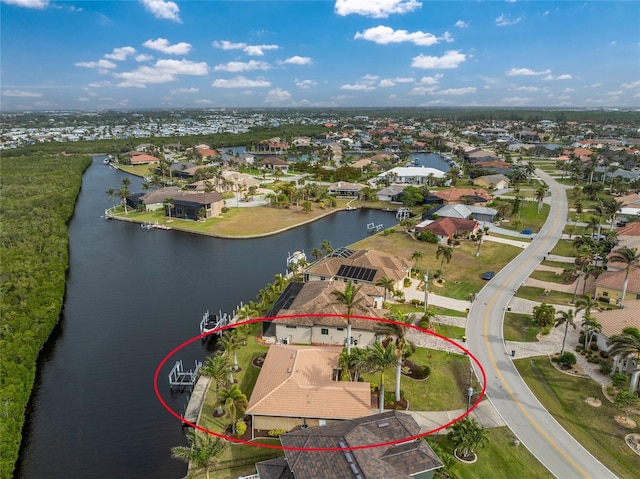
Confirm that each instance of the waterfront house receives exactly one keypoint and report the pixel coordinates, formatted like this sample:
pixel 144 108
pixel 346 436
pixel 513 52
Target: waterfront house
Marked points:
pixel 391 193
pixel 397 453
pixel 141 158
pixel 273 163
pixel 155 200
pixel 309 303
pixel 609 285
pixel 299 386
pixel 410 175
pixel 343 189
pixel 195 206
pixel 467 212
pixel 362 266
pixel 476 197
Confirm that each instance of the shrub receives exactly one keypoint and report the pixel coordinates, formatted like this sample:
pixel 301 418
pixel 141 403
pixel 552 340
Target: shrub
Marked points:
pixel 566 359
pixel 407 282
pixel 225 209
pixel 618 380
pixel 594 347
pixel 276 432
pixel 604 354
pixel 605 367
pixel 578 348
pixel 241 427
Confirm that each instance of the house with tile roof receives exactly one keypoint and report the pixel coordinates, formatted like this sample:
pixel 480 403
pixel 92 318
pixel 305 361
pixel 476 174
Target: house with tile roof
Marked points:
pixel 397 454
pixel 613 323
pixel 467 212
pixel 410 175
pixel 362 266
pixel 610 283
pixel 310 303
pixel 496 182
pixel 344 189
pixel 629 235
pixel 446 228
pixel 475 196
pixel 196 205
pixel 298 386
pixel 154 200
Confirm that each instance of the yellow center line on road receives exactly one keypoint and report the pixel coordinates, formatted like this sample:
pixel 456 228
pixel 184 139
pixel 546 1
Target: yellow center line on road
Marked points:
pixel 548 438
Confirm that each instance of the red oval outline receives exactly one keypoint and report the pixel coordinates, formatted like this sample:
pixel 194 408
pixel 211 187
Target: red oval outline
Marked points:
pixel 316 449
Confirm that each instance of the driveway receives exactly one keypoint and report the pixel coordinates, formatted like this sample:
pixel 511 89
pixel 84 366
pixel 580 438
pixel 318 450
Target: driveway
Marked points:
pixel 536 429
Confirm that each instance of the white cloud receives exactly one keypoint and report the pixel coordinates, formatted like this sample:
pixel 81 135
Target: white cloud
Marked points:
pixel 252 50
pixel 456 91
pixel 21 94
pixel 525 88
pixel 357 87
pixel 240 82
pixel 82 98
pixel 203 101
pixel 566 76
pixel 163 9
pixel 277 96
pixel 516 101
pixel 451 59
pixel 304 84
pixel 595 85
pixel 185 90
pixel 297 60
pixel 105 64
pixel 385 35
pixel 258 50
pixel 461 24
pixel 526 72
pixel 100 84
pixel 503 21
pixel 422 90
pixel 375 8
pixel 28 3
pixel 163 45
pixel 242 66
pixel 143 57
pixel 120 54
pixel 635 84
pixel 431 80
pixel 162 72
pixel 387 82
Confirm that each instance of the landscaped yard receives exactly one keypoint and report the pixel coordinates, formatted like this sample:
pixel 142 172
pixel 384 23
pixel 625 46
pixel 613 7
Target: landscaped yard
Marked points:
pixel 500 459
pixel 460 281
pixel 564 397
pixel 537 294
pixel 519 327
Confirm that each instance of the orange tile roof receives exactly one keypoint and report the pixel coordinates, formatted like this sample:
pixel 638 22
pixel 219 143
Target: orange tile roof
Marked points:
pixel 615 280
pixel 296 381
pixel 615 320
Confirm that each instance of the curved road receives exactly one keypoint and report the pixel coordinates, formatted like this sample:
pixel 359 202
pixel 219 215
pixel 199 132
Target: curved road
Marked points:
pixel 540 433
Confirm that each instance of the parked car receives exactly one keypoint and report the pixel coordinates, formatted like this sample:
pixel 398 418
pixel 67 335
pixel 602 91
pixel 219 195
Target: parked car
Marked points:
pixel 488 275
pixel 526 232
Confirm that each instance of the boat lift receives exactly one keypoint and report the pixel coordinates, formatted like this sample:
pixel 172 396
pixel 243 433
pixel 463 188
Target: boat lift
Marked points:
pixel 373 228
pixel 180 378
pixel 210 323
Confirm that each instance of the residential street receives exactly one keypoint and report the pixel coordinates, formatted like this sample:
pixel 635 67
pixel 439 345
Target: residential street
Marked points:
pixel 531 423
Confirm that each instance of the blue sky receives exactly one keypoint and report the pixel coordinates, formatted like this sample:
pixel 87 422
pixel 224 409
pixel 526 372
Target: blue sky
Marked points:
pixel 339 53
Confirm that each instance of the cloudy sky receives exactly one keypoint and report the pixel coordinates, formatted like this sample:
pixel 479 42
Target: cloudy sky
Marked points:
pixel 332 53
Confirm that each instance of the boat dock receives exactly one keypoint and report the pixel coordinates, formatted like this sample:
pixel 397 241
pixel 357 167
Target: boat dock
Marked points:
pixel 194 406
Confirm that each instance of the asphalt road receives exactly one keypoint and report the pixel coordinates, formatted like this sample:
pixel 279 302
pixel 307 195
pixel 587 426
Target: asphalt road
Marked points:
pixel 536 429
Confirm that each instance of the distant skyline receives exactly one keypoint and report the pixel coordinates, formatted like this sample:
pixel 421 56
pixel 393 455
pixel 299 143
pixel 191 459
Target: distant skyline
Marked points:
pixel 340 53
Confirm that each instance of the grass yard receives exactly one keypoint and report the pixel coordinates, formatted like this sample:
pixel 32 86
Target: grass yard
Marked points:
pixel 460 281
pixel 448 331
pixel 564 248
pixel 548 276
pixel 536 294
pixel 519 327
pixel 500 459
pixel 406 308
pixel 444 390
pixel 564 397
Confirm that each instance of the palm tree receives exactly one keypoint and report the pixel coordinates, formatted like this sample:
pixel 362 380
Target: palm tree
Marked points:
pixel 316 253
pixel 566 318
pixel 387 284
pixel 349 298
pixel 124 193
pixel 613 207
pixel 466 436
pixel 203 453
pixel 111 193
pixel 630 257
pixel 417 254
pixel 379 358
pixel 230 341
pixel 425 319
pixel 396 333
pixel 216 367
pixel 601 211
pixel 590 325
pixel 625 344
pixel 234 402
pixel 326 247
pixel 446 252
pixel 541 192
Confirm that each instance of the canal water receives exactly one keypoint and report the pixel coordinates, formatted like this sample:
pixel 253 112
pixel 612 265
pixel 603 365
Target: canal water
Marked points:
pixel 132 296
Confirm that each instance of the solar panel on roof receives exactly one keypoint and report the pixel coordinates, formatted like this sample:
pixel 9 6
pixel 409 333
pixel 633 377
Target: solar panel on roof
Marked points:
pixel 356 272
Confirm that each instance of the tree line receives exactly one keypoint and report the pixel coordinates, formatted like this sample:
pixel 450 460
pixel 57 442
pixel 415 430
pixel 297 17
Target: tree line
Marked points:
pixel 38 198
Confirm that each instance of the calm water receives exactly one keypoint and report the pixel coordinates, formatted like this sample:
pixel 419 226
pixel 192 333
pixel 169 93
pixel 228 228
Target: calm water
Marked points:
pixel 132 296
pixel 430 160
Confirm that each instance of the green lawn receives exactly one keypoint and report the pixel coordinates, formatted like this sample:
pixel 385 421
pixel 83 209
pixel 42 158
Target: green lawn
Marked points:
pixel 536 294
pixel 549 276
pixel 500 459
pixel 519 327
pixel 448 331
pixel 564 397
pixel 406 308
pixel 564 248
